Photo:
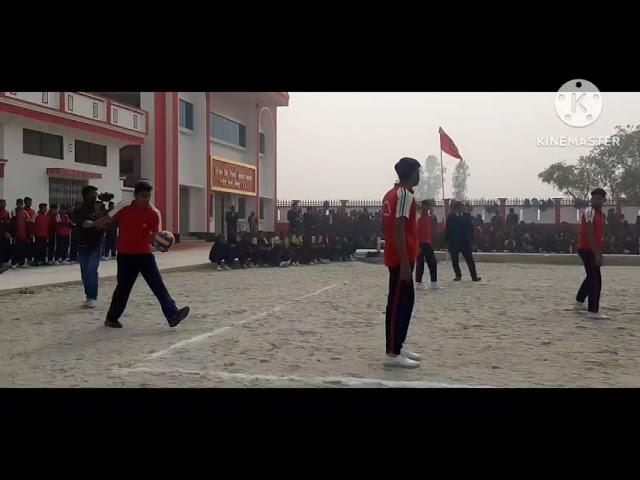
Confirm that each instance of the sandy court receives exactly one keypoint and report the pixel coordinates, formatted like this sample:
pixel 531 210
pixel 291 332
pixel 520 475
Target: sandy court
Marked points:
pixel 323 326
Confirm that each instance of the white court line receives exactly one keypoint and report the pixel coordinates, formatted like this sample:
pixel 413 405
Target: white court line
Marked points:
pixel 203 336
pixel 348 381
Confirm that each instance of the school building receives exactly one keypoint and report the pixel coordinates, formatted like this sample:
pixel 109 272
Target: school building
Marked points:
pixel 202 151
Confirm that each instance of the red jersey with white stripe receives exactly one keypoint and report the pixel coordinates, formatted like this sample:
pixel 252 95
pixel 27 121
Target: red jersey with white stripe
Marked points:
pixel 424 228
pixel 399 203
pixel 40 225
pixel 591 218
pixel 136 226
pixel 63 225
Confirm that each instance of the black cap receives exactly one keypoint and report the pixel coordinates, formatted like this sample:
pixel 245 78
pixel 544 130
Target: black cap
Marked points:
pixel 405 166
pixel 87 189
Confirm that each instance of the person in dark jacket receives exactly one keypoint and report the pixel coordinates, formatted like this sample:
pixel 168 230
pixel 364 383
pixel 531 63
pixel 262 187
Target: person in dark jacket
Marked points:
pixel 232 225
pixel 294 217
pixel 459 238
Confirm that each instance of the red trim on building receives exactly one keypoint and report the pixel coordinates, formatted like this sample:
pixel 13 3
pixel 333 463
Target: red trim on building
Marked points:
pixel 259 114
pixel 160 147
pixel 67 122
pixel 2 163
pixel 275 167
pixel 176 168
pixel 109 111
pixel 557 206
pixel 207 160
pixel 70 173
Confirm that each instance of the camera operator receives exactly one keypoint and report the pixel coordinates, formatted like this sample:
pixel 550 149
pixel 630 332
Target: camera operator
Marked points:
pixel 89 240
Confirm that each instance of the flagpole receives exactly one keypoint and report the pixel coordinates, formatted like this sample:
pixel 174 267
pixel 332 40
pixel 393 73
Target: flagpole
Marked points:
pixel 444 204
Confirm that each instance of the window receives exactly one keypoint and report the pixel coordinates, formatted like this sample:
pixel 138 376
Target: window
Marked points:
pixel 130 161
pixel 228 130
pixel 242 208
pixel 41 144
pixel 91 153
pixel 186 115
pixel 263 144
pixel 95 110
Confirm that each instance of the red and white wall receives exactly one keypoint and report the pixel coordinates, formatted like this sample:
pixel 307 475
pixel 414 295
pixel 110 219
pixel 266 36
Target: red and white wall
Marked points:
pixel 176 160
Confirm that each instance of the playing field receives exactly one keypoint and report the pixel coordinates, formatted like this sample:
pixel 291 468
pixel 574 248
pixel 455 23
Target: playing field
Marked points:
pixel 323 326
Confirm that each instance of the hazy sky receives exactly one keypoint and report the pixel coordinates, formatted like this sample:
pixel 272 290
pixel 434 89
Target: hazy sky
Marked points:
pixel 344 145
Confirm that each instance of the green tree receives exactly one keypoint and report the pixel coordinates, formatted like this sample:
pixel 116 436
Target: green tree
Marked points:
pixel 614 166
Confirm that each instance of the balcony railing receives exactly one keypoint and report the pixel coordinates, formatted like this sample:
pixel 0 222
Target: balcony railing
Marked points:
pixel 88 106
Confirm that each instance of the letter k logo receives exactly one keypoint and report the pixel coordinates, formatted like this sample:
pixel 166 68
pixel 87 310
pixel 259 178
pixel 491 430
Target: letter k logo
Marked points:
pixel 577 100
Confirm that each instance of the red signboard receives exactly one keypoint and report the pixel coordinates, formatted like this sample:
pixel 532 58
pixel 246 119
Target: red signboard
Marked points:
pixel 232 177
pixel 69 173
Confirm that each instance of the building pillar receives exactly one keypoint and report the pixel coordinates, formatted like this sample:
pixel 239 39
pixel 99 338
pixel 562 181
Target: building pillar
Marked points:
pixel 447 202
pixel 166 179
pixel 558 206
pixel 503 209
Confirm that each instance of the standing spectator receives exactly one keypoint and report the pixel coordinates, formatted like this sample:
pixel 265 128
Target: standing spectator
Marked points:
pixel 40 229
pixel 90 242
pixel 232 225
pixel 512 218
pixel 51 242
pixel 425 253
pixel 294 217
pixel 29 246
pixel 252 224
pixel 5 234
pixel 63 232
pixel 19 228
pixel 459 237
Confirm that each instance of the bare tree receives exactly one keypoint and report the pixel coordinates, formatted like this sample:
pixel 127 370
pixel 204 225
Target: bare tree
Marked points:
pixel 460 176
pixel 431 182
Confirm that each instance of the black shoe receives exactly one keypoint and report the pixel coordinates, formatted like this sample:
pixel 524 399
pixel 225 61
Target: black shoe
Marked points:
pixel 477 279
pixel 179 316
pixel 457 279
pixel 112 324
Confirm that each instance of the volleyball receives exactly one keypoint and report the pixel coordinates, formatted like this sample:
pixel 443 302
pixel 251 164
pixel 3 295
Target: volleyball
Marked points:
pixel 164 240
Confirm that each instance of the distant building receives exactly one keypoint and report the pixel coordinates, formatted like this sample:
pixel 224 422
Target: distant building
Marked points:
pixel 202 151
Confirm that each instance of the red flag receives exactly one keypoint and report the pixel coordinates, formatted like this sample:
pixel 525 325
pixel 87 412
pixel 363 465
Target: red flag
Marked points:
pixel 447 145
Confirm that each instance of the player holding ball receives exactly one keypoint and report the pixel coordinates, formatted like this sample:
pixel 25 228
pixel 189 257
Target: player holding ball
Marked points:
pixel 140 227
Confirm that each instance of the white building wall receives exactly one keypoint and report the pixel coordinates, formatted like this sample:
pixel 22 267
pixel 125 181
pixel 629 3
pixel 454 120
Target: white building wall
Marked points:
pixel 26 175
pixel 238 108
pixel 147 151
pixel 192 145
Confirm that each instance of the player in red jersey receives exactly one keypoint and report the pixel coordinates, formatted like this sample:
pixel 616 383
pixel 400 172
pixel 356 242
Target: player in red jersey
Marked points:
pixel 590 250
pixel 400 253
pixel 426 253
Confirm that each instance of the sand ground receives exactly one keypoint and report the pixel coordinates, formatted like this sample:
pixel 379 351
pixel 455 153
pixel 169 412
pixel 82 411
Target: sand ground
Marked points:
pixel 323 326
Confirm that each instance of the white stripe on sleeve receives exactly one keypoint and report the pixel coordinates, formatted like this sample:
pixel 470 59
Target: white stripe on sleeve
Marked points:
pixel 405 200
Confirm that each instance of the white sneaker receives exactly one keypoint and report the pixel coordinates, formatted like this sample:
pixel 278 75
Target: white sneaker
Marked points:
pixel 90 304
pixel 434 286
pixel 597 316
pixel 219 268
pixel 400 361
pixel 410 355
pixel 580 307
pixel 420 286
